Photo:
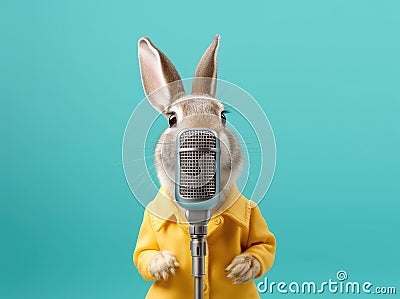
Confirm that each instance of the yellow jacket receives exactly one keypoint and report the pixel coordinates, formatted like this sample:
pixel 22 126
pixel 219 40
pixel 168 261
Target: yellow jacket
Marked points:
pixel 239 229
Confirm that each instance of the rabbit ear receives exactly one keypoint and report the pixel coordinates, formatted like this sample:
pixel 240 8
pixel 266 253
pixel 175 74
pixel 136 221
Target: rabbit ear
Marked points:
pixel 204 81
pixel 158 71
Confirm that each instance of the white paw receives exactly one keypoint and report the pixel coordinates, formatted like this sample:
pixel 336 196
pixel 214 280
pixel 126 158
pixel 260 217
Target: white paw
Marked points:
pixel 162 264
pixel 243 268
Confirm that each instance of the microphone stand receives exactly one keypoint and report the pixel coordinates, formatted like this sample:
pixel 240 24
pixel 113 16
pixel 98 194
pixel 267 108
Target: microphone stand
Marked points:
pixel 198 220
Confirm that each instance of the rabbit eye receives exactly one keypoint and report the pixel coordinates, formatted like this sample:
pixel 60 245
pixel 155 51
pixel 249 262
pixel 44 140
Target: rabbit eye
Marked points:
pixel 223 118
pixel 172 120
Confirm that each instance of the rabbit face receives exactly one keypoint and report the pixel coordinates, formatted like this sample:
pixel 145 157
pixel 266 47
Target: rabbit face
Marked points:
pixel 165 91
pixel 197 112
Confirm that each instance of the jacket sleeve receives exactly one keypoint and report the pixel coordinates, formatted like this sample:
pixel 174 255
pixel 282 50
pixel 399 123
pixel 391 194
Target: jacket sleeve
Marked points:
pixel 261 242
pixel 146 247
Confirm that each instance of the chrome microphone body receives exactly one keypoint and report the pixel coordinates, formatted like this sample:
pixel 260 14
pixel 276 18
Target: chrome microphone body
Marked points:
pixel 197 189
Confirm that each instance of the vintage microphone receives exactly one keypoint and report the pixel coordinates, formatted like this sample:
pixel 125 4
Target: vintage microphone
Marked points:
pixel 197 188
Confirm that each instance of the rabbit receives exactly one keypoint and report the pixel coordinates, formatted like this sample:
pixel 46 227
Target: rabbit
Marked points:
pixel 164 89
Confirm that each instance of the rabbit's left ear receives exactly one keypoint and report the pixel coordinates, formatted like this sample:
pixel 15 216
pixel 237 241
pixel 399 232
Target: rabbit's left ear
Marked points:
pixel 205 77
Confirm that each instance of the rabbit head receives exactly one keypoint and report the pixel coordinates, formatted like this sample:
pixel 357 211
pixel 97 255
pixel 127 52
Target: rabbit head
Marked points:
pixel 200 109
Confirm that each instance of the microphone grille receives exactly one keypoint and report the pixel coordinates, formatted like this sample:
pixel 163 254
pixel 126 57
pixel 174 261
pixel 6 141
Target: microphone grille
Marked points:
pixel 195 138
pixel 197 159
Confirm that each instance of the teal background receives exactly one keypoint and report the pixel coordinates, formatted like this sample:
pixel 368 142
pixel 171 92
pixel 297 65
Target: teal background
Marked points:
pixel 326 73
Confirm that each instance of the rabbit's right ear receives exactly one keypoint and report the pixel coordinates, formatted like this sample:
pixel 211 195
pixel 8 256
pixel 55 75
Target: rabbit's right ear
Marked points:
pixel 158 71
pixel 205 78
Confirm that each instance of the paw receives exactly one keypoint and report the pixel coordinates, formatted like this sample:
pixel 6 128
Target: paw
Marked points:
pixel 243 268
pixel 162 264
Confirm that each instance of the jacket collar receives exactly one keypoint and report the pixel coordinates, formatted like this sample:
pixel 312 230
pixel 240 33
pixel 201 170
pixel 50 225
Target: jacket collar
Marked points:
pixel 165 209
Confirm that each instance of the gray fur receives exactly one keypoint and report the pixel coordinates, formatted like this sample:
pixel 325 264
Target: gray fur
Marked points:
pixel 165 92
